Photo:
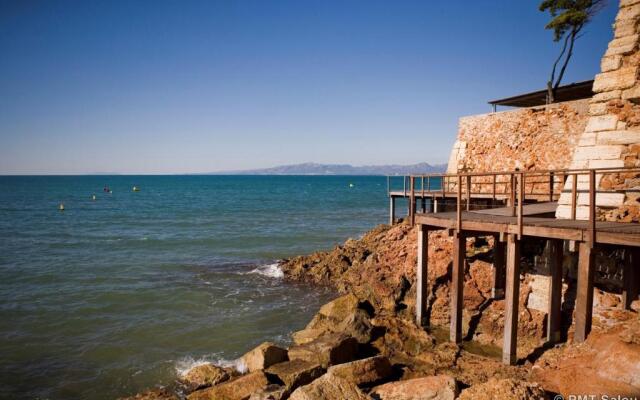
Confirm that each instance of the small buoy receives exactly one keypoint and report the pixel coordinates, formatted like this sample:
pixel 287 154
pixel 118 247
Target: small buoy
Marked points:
pixel 110 191
pixel 351 185
pixel 136 189
pixel 61 207
pixel 93 197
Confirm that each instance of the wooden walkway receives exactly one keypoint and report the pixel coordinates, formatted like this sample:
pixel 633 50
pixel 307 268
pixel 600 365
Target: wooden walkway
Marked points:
pixel 512 225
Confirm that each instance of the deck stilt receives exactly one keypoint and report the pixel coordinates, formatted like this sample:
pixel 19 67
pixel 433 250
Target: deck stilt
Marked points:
pixel 457 286
pixel 554 314
pixel 631 277
pixel 511 304
pixel 435 205
pixel 422 276
pixel 499 254
pixel 392 209
pixel 584 296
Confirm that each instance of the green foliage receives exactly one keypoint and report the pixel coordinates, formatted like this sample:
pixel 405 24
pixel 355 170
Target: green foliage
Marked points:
pixel 569 15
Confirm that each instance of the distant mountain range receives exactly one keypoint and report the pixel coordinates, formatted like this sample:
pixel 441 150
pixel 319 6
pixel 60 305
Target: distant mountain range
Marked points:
pixel 342 169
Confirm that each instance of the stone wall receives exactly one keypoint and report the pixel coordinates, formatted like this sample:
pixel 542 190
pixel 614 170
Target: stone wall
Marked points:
pixel 612 135
pixel 536 138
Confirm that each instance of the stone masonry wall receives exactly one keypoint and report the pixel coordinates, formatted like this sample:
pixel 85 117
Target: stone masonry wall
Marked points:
pixel 536 138
pixel 612 134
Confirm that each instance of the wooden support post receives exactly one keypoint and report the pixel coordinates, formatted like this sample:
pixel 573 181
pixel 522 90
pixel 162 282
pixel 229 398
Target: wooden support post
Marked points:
pixel 459 205
pixel 422 276
pixel 392 210
pixel 554 311
pixel 457 287
pixel 631 277
pixel 499 276
pixel 584 296
pixel 512 295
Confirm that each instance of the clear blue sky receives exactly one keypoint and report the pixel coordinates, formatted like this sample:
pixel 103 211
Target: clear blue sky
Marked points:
pixel 195 86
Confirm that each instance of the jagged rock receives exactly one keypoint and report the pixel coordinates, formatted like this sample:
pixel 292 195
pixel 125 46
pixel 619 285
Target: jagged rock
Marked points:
pixel 237 389
pixel 264 356
pixel 271 392
pixel 340 315
pixel 330 349
pixel 329 387
pixel 507 389
pixel 203 376
pixel 364 372
pixel 295 373
pixel 441 387
pixel 154 394
pixel 402 339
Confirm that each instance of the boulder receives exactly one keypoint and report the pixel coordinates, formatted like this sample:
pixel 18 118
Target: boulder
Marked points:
pixel 364 372
pixel 341 307
pixel 271 392
pixel 342 315
pixel 329 387
pixel 237 389
pixel 264 356
pixel 295 373
pixel 203 376
pixel 441 387
pixel 154 394
pixel 507 389
pixel 329 349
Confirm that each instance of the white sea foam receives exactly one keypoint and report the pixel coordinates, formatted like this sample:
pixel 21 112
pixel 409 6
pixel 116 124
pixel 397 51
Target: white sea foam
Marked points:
pixel 184 365
pixel 269 270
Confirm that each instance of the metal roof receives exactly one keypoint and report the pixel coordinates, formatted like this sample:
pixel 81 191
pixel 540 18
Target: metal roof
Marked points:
pixel 574 91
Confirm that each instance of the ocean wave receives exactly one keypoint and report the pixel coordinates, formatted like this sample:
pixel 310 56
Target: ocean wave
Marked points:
pixel 268 270
pixel 186 364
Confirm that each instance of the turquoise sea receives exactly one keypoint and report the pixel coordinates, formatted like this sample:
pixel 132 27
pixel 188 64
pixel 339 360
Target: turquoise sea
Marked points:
pixel 118 294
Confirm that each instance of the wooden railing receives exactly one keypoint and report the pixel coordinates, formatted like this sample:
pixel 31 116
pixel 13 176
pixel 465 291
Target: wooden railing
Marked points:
pixel 518 187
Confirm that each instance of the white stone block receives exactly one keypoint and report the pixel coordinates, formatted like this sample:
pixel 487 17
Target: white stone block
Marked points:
pixel 606 96
pixel 622 78
pixel 618 137
pixel 610 63
pixel 587 139
pixel 629 12
pixel 602 199
pixel 599 152
pixel 601 123
pixel 606 164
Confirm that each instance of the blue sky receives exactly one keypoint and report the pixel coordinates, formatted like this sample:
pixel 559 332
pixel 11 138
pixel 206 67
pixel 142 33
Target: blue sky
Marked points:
pixel 196 86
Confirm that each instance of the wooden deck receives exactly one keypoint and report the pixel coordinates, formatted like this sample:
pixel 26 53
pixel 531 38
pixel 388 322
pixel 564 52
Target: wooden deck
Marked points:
pixel 527 215
pixel 499 221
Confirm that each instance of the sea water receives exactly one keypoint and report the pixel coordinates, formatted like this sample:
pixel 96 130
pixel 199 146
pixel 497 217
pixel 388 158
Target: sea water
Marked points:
pixel 118 294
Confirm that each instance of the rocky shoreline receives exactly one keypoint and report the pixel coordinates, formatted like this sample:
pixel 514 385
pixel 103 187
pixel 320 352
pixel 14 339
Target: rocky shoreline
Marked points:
pixel 366 345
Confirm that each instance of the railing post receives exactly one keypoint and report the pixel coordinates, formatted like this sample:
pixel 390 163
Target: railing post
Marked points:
pixel 422 186
pixel 468 192
pixel 388 184
pixel 592 207
pixel 521 204
pixel 574 196
pixel 428 184
pixel 493 199
pixel 412 200
pixel 404 185
pixel 512 195
pixel 459 206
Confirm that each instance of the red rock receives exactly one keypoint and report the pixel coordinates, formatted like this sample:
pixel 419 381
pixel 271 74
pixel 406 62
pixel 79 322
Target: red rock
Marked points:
pixel 441 387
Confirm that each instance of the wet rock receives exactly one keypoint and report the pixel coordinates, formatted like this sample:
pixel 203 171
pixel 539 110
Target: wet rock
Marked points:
pixel 295 373
pixel 203 376
pixel 442 387
pixel 238 389
pixel 271 392
pixel 330 349
pixel 507 389
pixel 364 372
pixel 154 394
pixel 264 356
pixel 329 387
